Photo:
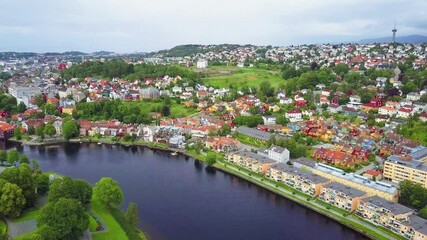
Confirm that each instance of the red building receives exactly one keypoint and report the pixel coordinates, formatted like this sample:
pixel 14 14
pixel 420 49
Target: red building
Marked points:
pixel 6 131
pixel 301 103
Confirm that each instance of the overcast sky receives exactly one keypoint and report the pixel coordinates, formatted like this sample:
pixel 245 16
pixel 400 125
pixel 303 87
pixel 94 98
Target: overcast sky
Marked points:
pixel 148 25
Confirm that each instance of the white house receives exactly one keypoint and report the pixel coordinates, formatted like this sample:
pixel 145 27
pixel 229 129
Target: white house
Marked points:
pixel 355 98
pixel 269 120
pixel 276 153
pixel 389 111
pixel 202 63
pixel 404 113
pixel 177 89
pixel 294 115
pixel 413 96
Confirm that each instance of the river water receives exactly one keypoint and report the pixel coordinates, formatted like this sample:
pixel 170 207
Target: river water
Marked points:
pixel 180 198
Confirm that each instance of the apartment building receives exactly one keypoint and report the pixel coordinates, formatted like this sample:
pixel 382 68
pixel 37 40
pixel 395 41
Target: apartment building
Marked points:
pixel 361 183
pixel 341 196
pixel 409 167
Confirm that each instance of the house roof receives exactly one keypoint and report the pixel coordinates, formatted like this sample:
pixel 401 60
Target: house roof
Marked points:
pixel 418 224
pixel 349 191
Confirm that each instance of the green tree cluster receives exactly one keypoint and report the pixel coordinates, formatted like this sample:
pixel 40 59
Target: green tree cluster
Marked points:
pixel 412 194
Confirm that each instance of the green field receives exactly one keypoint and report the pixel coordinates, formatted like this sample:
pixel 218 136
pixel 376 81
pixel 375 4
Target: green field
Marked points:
pixel 242 77
pixel 114 231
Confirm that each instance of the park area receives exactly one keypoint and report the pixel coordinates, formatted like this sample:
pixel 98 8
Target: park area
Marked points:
pixel 223 77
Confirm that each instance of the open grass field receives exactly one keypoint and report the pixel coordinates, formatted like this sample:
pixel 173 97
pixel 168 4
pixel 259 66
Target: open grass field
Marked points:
pixel 114 231
pixel 242 77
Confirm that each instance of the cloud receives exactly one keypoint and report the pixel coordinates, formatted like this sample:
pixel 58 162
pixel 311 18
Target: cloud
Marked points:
pixel 146 25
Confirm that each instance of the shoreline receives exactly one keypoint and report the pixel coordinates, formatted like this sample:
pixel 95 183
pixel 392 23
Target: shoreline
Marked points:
pixel 221 167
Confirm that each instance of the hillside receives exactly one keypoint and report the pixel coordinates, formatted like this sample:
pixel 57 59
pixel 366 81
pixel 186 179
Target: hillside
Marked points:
pixel 193 49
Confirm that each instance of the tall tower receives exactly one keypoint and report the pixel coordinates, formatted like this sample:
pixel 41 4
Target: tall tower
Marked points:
pixel 394 30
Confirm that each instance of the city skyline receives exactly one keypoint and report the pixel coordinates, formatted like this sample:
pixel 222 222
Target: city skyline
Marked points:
pixel 142 26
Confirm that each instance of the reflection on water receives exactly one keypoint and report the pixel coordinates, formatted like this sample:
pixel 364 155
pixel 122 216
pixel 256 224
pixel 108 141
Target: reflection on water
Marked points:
pixel 179 201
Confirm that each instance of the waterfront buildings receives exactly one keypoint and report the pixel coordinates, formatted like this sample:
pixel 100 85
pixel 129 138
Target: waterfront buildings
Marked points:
pixel 341 196
pixel 361 183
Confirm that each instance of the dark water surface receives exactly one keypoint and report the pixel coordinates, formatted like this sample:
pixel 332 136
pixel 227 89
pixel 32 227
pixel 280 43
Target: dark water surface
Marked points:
pixel 179 198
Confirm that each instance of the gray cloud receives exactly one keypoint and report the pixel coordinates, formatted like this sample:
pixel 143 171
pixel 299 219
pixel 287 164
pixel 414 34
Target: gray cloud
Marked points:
pixel 135 25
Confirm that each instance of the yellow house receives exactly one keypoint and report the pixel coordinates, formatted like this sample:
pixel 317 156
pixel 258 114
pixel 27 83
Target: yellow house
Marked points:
pixel 341 196
pixel 274 108
pixel 361 183
pixel 299 179
pixel 251 161
pixel 70 110
pixel 393 216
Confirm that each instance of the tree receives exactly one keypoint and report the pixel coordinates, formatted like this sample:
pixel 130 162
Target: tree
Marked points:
pixel 210 159
pixel 266 89
pixel 40 131
pixel 108 192
pixel 39 101
pixel 423 98
pixel 17 133
pixel 132 215
pixel 69 129
pixel 13 156
pixel 12 201
pixel 42 183
pixel 224 130
pixel 83 190
pixel 21 107
pixel 412 194
pixel 341 69
pixel 271 140
pixel 423 212
pixel 49 130
pixel 3 156
pixel 165 111
pixel 64 219
pixel 23 177
pixel 71 189
pixel 24 159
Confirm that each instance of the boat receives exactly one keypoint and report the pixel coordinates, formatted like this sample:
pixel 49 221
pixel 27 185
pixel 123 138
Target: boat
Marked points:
pixel 174 153
pixel 99 143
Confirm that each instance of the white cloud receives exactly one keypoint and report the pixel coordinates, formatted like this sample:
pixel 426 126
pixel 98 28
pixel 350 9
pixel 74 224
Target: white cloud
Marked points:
pixel 145 25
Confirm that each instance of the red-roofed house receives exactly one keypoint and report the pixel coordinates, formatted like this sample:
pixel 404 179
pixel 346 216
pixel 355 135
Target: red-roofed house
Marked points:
pixel 374 175
pixel 6 130
pixel 294 115
pixel 404 113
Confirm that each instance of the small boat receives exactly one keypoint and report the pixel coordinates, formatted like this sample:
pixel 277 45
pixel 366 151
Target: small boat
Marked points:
pixel 99 143
pixel 174 153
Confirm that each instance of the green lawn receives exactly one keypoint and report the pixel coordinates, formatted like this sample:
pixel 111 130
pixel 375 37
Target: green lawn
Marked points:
pixel 114 231
pixel 27 216
pixel 3 226
pixel 251 77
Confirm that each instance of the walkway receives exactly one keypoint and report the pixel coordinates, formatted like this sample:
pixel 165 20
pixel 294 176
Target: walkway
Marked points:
pixel 19 228
pixel 302 199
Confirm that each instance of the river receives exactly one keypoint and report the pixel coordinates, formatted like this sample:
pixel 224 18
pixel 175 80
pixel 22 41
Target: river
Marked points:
pixel 180 198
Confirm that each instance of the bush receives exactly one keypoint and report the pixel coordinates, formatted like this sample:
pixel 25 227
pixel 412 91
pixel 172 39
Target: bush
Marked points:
pixel 131 232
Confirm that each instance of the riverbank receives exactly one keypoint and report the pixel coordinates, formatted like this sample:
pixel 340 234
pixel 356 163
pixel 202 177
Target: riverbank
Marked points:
pixel 338 215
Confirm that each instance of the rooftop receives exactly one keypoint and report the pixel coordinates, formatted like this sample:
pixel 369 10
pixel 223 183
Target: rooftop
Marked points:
pixel 256 157
pixel 394 207
pixel 289 169
pixel 418 224
pixel 349 191
pixel 380 186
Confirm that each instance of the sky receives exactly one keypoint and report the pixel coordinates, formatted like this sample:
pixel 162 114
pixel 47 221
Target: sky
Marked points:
pixel 127 26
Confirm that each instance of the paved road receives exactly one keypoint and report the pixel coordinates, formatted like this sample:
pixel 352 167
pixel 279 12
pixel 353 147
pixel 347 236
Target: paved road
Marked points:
pixel 16 229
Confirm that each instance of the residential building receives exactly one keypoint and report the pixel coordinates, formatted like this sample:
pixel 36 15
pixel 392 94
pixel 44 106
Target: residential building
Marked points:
pixel 410 167
pixel 383 212
pixel 269 120
pixel 389 111
pixel 222 144
pixel 6 131
pixel 370 187
pixel 149 93
pixel 276 153
pixel 299 179
pixel 202 63
pixel 294 115
pixel 341 196
pixel 251 161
